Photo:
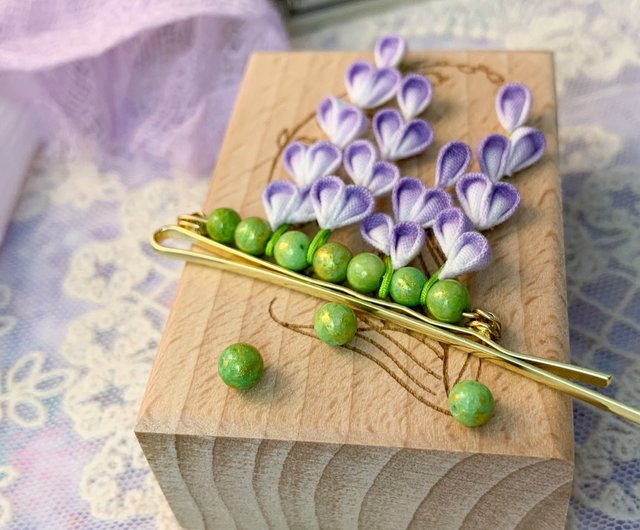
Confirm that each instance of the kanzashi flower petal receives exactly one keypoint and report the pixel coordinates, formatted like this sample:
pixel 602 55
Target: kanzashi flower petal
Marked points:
pixel 376 231
pixel 307 163
pixel 513 105
pixel 448 226
pixel 389 50
pixel 413 201
pixel 470 252
pixel 397 139
pixel 341 122
pixel 493 155
pixel 407 239
pixel 359 158
pixel 336 204
pixel 527 147
pixel 414 95
pixel 486 203
pixel 285 203
pixel 383 178
pixel 453 160
pixel 369 87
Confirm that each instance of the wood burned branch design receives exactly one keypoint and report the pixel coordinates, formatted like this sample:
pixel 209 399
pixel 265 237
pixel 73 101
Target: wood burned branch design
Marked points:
pixel 425 368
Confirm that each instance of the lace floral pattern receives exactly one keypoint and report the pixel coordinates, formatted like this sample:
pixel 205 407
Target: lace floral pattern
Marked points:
pixel 81 317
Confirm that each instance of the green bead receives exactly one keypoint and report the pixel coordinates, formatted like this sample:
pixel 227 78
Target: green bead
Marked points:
pixel 252 235
pixel 221 225
pixel 365 272
pixel 447 300
pixel 291 250
pixel 335 323
pixel 241 366
pixel 471 403
pixel 330 262
pixel 406 286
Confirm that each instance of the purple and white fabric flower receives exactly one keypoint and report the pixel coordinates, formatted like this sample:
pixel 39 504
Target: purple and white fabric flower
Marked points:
pixel 413 201
pixel 397 139
pixel 402 242
pixel 449 225
pixel 284 203
pixel 486 203
pixel 369 87
pixel 493 155
pixel 362 165
pixel 414 95
pixel 469 252
pixel 341 122
pixel 307 163
pixel 513 105
pixel 336 205
pixel 453 160
pixel 389 51
pixel 527 147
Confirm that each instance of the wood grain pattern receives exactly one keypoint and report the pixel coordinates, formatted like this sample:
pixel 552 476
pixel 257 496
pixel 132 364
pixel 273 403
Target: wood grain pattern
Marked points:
pixel 360 437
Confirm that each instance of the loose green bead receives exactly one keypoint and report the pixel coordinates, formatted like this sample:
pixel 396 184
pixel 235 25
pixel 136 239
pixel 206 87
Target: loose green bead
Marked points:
pixel 291 250
pixel 252 235
pixel 471 403
pixel 221 225
pixel 365 272
pixel 406 286
pixel 447 300
pixel 335 323
pixel 330 262
pixel 240 366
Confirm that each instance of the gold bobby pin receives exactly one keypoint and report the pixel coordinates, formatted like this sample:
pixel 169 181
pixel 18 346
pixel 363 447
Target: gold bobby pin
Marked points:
pixel 477 337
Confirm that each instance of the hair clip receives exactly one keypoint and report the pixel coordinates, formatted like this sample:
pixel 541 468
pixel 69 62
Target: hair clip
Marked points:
pixel 435 304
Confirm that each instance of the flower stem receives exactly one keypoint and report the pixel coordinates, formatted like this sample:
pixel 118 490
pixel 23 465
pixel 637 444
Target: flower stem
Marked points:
pixel 425 289
pixel 271 244
pixel 320 239
pixel 383 292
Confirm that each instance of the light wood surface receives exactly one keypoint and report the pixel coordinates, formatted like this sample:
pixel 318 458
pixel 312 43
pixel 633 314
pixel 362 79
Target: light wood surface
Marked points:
pixel 360 437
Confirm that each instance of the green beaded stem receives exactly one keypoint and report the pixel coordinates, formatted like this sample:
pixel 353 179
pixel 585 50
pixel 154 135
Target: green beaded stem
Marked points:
pixel 320 239
pixel 383 292
pixel 271 244
pixel 425 290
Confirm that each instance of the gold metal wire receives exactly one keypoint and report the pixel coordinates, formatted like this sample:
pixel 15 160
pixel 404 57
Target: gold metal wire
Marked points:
pixel 478 338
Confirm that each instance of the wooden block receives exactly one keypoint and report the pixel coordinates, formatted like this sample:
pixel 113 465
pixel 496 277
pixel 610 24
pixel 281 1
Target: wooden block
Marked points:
pixel 360 437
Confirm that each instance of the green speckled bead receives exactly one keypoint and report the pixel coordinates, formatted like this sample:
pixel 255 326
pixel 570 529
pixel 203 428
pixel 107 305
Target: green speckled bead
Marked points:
pixel 221 225
pixel 335 323
pixel 365 272
pixel 240 366
pixel 471 403
pixel 252 235
pixel 406 286
pixel 290 251
pixel 447 300
pixel 330 262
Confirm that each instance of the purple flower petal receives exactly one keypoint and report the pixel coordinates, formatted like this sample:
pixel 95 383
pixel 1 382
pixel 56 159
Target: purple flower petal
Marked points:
pixel 398 140
pixel 369 87
pixel 414 95
pixel 413 201
pixel 513 104
pixel 383 178
pixel 493 155
pixel 359 158
pixel 376 231
pixel 470 252
pixel 284 203
pixel 448 226
pixel 453 160
pixel 308 163
pixel 337 205
pixel 527 147
pixel 486 203
pixel 407 239
pixel 341 122
pixel 389 50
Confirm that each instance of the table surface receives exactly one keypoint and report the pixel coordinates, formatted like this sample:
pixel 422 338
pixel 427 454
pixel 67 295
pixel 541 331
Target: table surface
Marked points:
pixel 83 301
